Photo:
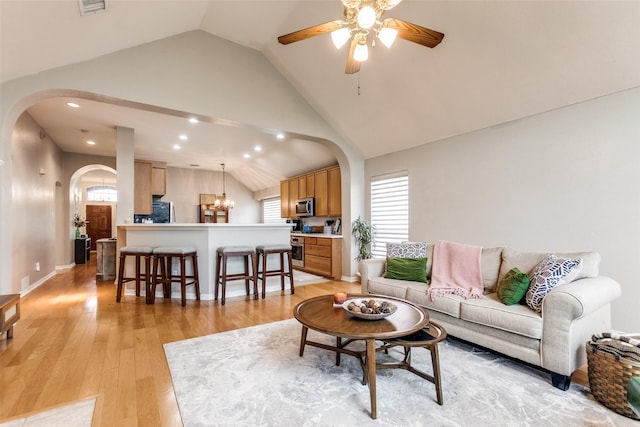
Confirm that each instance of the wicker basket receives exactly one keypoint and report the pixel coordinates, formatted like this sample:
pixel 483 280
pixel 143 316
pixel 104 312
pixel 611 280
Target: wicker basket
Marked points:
pixel 608 378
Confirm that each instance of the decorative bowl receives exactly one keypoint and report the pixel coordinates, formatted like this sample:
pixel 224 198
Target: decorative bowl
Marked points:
pixel 378 316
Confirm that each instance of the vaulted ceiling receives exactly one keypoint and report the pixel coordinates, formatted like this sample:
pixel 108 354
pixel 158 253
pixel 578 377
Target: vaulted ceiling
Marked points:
pixel 499 61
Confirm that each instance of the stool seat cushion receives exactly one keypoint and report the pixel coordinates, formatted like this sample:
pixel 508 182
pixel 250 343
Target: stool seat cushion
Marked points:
pixel 174 250
pixel 232 249
pixel 136 250
pixel 263 248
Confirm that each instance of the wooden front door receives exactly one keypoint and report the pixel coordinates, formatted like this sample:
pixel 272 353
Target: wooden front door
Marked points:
pixel 98 223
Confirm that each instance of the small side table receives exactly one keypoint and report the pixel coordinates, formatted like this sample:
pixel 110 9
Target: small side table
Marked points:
pixel 9 313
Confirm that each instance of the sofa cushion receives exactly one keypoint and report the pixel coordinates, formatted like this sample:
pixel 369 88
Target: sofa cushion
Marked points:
pixel 414 269
pixel 490 264
pixel 391 287
pixel 490 311
pixel 447 303
pixel 526 261
pixel 513 287
pixel 550 272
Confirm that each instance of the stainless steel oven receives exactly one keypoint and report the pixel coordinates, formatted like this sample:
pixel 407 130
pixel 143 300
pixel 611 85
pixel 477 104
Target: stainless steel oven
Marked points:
pixel 297 251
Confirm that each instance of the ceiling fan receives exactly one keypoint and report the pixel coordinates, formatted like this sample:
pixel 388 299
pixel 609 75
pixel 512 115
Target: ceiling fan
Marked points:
pixel 363 17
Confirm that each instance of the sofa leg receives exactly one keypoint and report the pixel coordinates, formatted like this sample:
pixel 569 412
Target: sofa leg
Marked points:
pixel 561 382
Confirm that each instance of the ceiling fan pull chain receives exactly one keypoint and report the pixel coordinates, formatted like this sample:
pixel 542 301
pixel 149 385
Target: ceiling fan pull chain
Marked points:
pixel 358 84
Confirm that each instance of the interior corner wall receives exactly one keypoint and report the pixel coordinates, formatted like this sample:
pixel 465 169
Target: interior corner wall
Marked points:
pixel 37 167
pixel 184 187
pixel 564 180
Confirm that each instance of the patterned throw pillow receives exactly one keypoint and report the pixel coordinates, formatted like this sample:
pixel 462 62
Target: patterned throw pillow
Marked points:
pixel 407 250
pixel 550 272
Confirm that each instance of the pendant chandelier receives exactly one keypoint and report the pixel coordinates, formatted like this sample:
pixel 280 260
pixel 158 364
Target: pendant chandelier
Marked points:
pixel 222 203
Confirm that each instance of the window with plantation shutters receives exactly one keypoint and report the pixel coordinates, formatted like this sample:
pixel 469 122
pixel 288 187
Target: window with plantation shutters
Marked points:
pixel 271 211
pixel 389 211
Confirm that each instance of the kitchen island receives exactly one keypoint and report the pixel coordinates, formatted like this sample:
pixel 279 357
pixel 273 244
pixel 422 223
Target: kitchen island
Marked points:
pixel 206 238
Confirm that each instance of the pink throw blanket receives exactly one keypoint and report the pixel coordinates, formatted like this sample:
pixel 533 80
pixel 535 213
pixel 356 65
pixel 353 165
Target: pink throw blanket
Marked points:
pixel 456 270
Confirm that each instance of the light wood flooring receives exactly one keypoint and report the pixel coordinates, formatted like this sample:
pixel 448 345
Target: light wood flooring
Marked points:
pixel 73 341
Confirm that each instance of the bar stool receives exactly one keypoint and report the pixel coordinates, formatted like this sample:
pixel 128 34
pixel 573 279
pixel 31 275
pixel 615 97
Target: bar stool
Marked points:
pixel 264 251
pixel 222 255
pixel 163 259
pixel 138 252
pixel 428 337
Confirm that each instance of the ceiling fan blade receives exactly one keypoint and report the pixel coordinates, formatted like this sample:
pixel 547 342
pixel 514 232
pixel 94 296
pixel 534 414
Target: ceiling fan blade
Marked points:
pixel 316 30
pixel 353 66
pixel 415 33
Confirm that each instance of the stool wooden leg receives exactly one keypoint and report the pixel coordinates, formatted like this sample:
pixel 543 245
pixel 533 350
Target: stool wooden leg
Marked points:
pixel 183 281
pixel 137 275
pixel 196 278
pixel 148 278
pixel 224 277
pixel 246 273
pixel 155 278
pixel 282 270
pixel 264 273
pixel 290 259
pixel 120 278
pixel 254 268
pixel 217 276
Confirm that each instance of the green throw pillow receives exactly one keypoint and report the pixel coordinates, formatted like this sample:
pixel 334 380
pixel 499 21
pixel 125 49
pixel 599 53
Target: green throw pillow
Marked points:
pixel 414 269
pixel 513 287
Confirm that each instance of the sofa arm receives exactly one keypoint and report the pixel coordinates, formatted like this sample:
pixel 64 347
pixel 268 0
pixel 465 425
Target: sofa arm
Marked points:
pixel 571 314
pixel 580 298
pixel 370 268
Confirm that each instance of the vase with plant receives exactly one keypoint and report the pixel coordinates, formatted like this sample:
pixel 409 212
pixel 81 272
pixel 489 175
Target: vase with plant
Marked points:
pixel 78 223
pixel 363 234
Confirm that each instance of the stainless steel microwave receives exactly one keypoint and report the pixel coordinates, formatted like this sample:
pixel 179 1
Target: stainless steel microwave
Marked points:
pixel 305 207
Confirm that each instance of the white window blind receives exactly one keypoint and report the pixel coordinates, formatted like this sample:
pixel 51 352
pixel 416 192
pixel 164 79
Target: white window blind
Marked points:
pixel 271 211
pixel 389 211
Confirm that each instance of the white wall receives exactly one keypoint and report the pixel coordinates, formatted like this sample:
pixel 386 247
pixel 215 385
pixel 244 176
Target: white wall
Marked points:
pixel 565 180
pixel 184 187
pixel 33 203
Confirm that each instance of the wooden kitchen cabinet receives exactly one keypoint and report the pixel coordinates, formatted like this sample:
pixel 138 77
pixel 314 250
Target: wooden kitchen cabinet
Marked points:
pixel 334 192
pixel 306 186
pixel 284 199
pixel 293 197
pixel 321 193
pixel 142 188
pixel 158 181
pixel 323 256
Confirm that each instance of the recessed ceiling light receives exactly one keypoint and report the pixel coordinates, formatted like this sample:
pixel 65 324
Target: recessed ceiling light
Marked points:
pixel 280 136
pixel 176 147
pixel 183 137
pixel 246 155
pixel 91 142
pixel 257 148
pixel 73 105
pixel 193 120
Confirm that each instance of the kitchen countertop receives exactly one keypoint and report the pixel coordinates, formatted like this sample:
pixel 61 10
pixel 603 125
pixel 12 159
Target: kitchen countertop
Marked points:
pixel 324 235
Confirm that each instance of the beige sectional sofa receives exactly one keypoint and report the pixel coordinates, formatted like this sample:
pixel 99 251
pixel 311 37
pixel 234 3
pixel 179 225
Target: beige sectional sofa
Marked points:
pixel 553 339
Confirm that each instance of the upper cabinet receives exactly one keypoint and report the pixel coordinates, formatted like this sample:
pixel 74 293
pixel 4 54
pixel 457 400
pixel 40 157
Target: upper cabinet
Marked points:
pixel 149 181
pixel 158 181
pixel 324 185
pixel 142 192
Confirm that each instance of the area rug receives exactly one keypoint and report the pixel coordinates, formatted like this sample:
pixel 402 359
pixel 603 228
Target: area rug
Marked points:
pixel 79 414
pixel 254 377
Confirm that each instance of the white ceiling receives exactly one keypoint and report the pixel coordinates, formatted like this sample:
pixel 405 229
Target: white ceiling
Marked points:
pixel 499 61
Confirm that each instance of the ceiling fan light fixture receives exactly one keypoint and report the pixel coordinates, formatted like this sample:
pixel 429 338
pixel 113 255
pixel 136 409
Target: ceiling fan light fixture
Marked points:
pixel 361 52
pixel 340 37
pixel 366 17
pixel 387 36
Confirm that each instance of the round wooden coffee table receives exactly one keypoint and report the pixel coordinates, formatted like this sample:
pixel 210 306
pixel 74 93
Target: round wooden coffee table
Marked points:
pixel 321 315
